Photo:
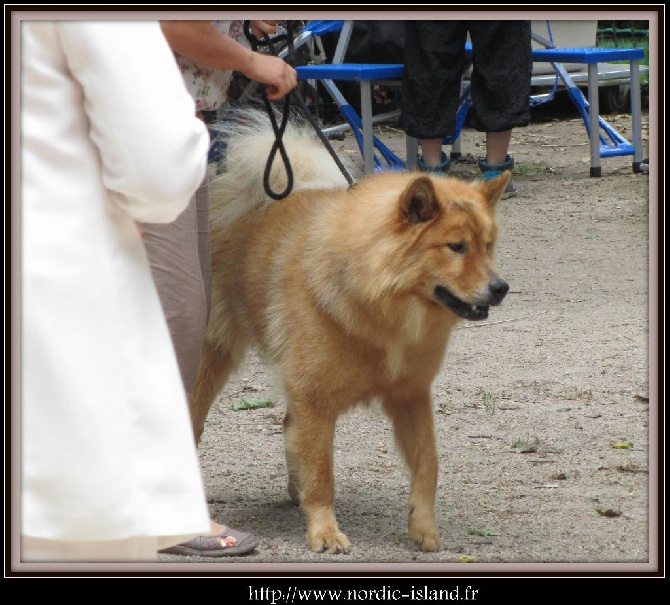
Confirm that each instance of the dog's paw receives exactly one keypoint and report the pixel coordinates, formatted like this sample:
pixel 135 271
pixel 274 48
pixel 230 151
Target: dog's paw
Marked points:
pixel 429 543
pixel 331 541
pixel 425 535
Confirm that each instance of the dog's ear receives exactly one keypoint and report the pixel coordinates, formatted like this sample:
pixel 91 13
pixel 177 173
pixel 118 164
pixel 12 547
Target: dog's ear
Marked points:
pixel 418 202
pixel 492 189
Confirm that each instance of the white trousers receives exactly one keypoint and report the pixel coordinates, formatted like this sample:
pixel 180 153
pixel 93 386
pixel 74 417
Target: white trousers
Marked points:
pixel 133 549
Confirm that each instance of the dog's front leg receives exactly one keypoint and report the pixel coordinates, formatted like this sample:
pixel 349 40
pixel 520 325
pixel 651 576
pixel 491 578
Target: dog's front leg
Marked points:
pixel 309 449
pixel 415 435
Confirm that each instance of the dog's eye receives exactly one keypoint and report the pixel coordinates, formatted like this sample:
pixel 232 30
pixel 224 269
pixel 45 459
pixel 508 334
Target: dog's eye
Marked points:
pixel 489 247
pixel 458 247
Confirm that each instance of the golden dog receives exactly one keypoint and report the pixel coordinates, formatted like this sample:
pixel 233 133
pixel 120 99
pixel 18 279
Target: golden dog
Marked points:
pixel 351 293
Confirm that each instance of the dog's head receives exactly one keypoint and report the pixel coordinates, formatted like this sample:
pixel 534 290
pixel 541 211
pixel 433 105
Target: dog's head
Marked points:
pixel 451 231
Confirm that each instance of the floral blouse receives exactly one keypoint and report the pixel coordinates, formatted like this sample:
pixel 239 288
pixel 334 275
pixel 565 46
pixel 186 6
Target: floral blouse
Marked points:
pixel 209 86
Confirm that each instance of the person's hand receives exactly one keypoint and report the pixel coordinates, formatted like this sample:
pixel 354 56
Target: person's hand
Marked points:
pixel 258 28
pixel 278 75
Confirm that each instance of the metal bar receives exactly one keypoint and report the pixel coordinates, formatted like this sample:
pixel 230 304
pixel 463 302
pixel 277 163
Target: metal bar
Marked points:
pixel 343 42
pixel 412 150
pixel 366 116
pixel 636 113
pixel 381 117
pixel 594 115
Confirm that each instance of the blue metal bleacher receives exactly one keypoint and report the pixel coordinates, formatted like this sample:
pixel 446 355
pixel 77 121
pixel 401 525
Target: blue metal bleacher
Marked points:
pixel 609 142
pixel 365 74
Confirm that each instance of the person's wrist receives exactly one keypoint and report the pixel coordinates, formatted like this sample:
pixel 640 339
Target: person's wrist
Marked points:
pixel 249 61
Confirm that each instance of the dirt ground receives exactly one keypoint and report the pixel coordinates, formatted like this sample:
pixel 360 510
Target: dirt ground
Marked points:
pixel 545 432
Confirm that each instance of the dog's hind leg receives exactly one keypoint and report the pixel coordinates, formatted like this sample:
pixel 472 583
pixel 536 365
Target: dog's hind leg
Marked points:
pixel 292 466
pixel 412 419
pixel 309 446
pixel 216 365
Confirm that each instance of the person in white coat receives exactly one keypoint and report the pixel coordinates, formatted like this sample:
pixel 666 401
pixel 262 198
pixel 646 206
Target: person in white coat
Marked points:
pixel 109 138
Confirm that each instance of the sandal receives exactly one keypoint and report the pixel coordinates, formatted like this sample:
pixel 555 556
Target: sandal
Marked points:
pixel 491 171
pixel 442 168
pixel 229 543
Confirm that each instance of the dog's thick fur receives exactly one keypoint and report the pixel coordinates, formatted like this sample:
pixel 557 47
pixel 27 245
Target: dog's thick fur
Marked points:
pixel 351 293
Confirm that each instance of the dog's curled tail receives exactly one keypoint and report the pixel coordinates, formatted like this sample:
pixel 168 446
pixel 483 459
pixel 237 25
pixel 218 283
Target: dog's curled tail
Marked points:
pixel 249 137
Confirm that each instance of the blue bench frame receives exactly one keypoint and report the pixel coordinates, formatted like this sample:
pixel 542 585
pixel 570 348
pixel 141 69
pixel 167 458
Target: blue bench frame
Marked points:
pixel 608 143
pixel 365 74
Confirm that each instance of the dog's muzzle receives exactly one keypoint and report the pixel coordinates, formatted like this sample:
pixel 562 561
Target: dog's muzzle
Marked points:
pixel 496 291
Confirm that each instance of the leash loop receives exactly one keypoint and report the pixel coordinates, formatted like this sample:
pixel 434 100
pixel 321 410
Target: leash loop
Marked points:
pixel 278 145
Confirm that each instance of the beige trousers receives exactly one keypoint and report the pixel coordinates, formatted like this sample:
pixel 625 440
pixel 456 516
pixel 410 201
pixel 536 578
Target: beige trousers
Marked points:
pixel 179 253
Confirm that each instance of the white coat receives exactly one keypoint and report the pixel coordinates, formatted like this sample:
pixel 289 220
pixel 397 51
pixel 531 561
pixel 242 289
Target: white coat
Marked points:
pixel 108 137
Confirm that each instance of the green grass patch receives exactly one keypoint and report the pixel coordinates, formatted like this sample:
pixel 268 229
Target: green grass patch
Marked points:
pixel 530 169
pixel 526 445
pixel 627 43
pixel 489 401
pixel 630 42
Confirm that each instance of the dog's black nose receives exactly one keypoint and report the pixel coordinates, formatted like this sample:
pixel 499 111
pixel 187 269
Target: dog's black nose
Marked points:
pixel 499 288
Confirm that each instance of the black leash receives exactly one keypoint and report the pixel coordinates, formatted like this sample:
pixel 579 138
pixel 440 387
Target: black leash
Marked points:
pixel 278 145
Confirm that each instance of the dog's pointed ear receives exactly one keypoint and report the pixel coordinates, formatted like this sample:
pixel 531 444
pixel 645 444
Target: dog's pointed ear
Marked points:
pixel 492 189
pixel 418 203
